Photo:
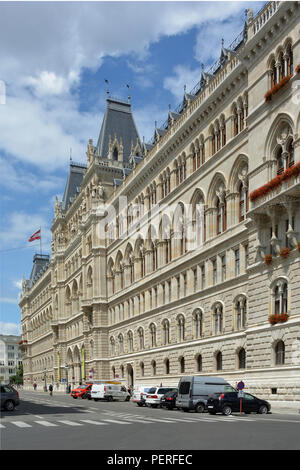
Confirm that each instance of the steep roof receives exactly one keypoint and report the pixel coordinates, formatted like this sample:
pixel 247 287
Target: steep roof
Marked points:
pixel 73 183
pixel 118 120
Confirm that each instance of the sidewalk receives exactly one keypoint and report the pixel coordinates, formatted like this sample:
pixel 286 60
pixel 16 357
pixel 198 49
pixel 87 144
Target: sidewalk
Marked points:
pixel 288 407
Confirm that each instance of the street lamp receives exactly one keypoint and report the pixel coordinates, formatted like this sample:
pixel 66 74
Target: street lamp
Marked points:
pixel 45 378
pixel 67 367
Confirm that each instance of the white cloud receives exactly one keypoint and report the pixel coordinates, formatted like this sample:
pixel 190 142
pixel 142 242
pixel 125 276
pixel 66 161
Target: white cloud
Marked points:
pixel 19 226
pixel 183 75
pixel 44 48
pixel 10 328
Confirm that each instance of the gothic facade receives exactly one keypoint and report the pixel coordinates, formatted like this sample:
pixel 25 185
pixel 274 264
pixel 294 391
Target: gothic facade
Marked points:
pixel 181 256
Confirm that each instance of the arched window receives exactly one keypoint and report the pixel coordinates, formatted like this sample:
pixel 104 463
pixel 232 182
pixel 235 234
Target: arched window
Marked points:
pixel 141 338
pixel 197 320
pixel 121 343
pixel 279 353
pixel 235 122
pixel 221 216
pixel 280 161
pixel 219 361
pixel 242 358
pixel 166 332
pixel 273 75
pixel 153 335
pixel 112 346
pixel 290 156
pixel 241 312
pixel 289 54
pixel 280 297
pixel 243 202
pixel 180 327
pixel 218 319
pixel 130 341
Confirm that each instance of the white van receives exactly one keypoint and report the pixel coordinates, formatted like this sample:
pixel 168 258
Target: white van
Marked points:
pixel 109 392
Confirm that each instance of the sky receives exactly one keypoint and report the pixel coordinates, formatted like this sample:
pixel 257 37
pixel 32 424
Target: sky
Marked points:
pixel 55 58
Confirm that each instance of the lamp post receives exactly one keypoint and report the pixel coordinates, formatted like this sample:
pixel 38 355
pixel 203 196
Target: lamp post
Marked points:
pixel 67 367
pixel 45 380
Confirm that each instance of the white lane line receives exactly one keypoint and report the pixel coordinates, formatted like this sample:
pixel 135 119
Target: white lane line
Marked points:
pixel 45 423
pixel 160 420
pixel 136 420
pixel 89 421
pixel 2 426
pixel 69 423
pixel 21 424
pixel 115 421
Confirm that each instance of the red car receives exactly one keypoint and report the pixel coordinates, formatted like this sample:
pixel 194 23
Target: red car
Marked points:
pixel 81 391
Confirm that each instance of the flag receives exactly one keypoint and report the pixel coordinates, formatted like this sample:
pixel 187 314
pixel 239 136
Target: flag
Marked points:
pixel 35 236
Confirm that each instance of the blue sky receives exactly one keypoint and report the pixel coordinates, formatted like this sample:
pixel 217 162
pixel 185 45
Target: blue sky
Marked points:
pixel 54 60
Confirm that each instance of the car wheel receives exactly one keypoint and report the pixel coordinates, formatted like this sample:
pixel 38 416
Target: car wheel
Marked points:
pixel 226 410
pixel 83 396
pixel 110 398
pixel 139 404
pixel 75 397
pixel 199 408
pixel 9 405
pixel 127 398
pixel 263 410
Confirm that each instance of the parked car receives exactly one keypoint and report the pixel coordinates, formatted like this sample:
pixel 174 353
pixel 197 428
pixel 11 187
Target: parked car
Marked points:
pixel 193 391
pixel 169 400
pixel 81 391
pixel 9 397
pixel 229 401
pixel 155 394
pixel 109 392
pixel 139 394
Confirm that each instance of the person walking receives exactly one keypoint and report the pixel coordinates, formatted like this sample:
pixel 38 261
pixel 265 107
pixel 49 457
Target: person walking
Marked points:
pixel 50 389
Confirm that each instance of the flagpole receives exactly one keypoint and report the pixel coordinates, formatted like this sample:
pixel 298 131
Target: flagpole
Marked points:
pixel 41 240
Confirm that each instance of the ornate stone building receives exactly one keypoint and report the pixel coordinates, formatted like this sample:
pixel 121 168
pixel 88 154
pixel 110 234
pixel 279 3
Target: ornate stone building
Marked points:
pixel 181 256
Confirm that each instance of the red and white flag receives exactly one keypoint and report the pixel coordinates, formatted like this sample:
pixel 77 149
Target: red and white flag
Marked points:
pixel 35 236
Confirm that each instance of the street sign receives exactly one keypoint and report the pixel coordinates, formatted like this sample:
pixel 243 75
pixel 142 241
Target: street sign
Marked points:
pixel 240 385
pixel 240 394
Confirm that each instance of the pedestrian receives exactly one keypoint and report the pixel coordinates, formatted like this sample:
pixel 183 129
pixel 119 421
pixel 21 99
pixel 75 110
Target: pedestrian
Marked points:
pixel 50 389
pixel 34 386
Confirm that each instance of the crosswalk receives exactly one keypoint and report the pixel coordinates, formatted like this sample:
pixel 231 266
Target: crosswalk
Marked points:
pixel 113 418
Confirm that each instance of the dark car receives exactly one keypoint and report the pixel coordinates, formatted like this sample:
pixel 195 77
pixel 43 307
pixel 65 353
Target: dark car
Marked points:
pixel 9 397
pixel 229 401
pixel 169 400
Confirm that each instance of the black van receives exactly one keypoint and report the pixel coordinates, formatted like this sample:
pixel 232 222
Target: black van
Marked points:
pixel 193 391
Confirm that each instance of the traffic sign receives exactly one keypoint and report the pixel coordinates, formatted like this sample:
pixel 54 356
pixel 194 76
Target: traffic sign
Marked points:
pixel 240 385
pixel 240 394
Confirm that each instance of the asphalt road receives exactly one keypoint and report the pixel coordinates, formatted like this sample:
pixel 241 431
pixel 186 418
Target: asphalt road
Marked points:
pixel 59 422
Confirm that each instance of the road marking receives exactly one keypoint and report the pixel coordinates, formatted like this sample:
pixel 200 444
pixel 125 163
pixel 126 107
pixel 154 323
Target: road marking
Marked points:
pixel 89 421
pixel 160 420
pixel 2 426
pixel 69 423
pixel 45 423
pixel 136 420
pixel 115 421
pixel 21 424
